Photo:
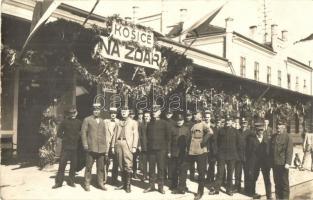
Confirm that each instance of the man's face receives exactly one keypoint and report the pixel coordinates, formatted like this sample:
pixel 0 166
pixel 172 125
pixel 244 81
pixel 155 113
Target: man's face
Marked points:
pixel 124 113
pixel 140 116
pixel 197 117
pixel 188 118
pixel 156 114
pixel 96 112
pixel 229 122
pixel 280 128
pixel 180 123
pixel 259 130
pixel 147 117
pixel 113 115
pixel 169 115
pixel 207 118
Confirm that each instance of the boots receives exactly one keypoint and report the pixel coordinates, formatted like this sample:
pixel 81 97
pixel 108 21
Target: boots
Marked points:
pixel 123 186
pixel 200 192
pixel 128 179
pixel 160 188
pixel 150 189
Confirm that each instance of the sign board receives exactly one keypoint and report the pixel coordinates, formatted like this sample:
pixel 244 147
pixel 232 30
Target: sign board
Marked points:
pixel 130 54
pixel 127 34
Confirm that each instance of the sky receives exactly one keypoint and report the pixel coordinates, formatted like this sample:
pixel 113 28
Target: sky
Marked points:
pixel 296 16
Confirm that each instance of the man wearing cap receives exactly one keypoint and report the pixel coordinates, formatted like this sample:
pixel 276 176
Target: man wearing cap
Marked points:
pixel 96 141
pixel 189 123
pixel 197 150
pixel 178 151
pixel 281 150
pixel 241 162
pixel 258 158
pixel 158 142
pixel 124 144
pixel 143 143
pixel 212 149
pixel 227 155
pixel 111 125
pixel 69 132
pixel 168 167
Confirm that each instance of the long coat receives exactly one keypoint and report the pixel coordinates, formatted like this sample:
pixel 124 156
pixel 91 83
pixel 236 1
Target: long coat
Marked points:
pixel 227 144
pixel 281 149
pixel 142 128
pixel 95 136
pixel 257 152
pixel 70 132
pixel 131 133
pixel 158 135
pixel 179 141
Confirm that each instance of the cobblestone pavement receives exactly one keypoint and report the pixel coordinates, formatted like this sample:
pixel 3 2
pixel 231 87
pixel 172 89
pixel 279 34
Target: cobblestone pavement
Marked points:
pixel 23 181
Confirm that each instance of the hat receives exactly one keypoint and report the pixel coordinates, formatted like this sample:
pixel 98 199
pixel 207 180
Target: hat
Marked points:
pixel 113 110
pixel 131 112
pixel 71 111
pixel 188 113
pixel 169 111
pixel 156 108
pixel 124 108
pixel 244 120
pixel 96 106
pixel 196 111
pixel 207 111
pixel 228 117
pixel 179 117
pixel 140 112
pixel 259 123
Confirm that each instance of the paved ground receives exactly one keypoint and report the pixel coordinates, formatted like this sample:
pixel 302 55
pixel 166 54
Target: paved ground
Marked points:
pixel 26 181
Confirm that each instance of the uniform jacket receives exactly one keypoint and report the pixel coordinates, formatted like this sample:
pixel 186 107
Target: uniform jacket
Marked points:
pixel 95 136
pixel 227 146
pixel 158 135
pixel 70 131
pixel 188 124
pixel 212 147
pixel 142 128
pixel 257 152
pixel 308 142
pixel 242 140
pixel 131 133
pixel 269 132
pixel 198 139
pixel 178 140
pixel 281 149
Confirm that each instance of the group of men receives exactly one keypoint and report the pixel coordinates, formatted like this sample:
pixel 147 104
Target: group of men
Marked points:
pixel 173 145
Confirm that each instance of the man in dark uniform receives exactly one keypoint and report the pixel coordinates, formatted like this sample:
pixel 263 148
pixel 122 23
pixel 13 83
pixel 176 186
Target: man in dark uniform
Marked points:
pixel 197 150
pixel 241 162
pixel 227 156
pixel 69 132
pixel 111 125
pixel 281 155
pixel 143 143
pixel 96 142
pixel 168 167
pixel 178 149
pixel 258 157
pixel 158 140
pixel 189 123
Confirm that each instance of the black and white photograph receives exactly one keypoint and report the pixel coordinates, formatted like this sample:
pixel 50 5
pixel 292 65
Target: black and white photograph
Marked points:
pixel 156 99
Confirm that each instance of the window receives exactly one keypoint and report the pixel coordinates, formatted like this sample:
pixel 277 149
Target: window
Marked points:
pixel 304 85
pixel 297 83
pixel 243 66
pixel 288 81
pixel 279 78
pixel 269 74
pixel 256 71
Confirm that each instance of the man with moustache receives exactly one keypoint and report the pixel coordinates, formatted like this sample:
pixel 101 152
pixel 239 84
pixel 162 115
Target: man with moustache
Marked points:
pixel 258 158
pixel 69 132
pixel 158 142
pixel 281 150
pixel 143 143
pixel 124 144
pixel 227 155
pixel 111 125
pixel 96 142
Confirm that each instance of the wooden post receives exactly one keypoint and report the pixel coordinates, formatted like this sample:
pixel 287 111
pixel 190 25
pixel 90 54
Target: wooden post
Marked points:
pixel 15 110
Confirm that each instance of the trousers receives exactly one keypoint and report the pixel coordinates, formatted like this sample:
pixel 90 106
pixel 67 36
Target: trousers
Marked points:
pixel 124 156
pixel 90 159
pixel 230 165
pixel 67 155
pixel 281 180
pixel 156 159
